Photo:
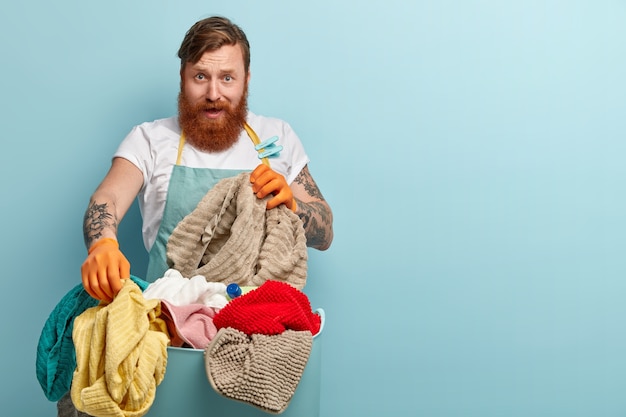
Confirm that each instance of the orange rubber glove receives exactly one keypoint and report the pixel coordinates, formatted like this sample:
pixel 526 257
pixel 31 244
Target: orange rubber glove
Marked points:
pixel 266 181
pixel 104 269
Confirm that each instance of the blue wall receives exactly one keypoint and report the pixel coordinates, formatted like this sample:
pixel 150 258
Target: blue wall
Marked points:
pixel 473 153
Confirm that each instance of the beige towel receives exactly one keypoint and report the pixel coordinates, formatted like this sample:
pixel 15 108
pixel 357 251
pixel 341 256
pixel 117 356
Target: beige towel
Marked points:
pixel 260 370
pixel 121 355
pixel 231 237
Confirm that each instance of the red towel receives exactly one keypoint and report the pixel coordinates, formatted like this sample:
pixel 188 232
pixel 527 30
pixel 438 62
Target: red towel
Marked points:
pixel 269 309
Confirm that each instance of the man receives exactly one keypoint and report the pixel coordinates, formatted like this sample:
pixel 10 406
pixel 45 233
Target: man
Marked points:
pixel 169 164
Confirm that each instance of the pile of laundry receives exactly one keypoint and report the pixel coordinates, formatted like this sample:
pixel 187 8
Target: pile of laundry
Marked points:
pixel 110 357
pixel 256 345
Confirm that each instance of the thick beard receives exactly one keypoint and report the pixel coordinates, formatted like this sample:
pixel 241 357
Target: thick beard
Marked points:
pixel 207 134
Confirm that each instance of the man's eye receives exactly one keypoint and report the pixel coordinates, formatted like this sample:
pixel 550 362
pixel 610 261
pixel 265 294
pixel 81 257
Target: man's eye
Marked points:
pixel 200 77
pixel 228 78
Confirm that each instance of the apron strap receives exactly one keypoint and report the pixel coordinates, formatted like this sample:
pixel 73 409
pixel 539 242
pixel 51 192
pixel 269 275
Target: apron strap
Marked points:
pixel 251 134
pixel 255 139
pixel 181 144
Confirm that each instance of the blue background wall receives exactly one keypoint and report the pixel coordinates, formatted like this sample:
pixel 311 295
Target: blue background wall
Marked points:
pixel 473 153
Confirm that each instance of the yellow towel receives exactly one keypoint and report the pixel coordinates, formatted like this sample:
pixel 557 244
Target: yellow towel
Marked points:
pixel 121 355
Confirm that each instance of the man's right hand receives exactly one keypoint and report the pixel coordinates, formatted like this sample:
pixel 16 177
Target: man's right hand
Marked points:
pixel 104 269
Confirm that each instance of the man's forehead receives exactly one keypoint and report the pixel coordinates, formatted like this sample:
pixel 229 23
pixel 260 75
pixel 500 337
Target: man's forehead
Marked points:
pixel 230 54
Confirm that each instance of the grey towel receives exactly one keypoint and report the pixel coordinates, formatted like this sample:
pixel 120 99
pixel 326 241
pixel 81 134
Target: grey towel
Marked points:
pixel 66 408
pixel 231 237
pixel 262 370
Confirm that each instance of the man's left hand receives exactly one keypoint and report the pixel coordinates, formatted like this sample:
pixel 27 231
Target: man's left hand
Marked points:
pixel 266 181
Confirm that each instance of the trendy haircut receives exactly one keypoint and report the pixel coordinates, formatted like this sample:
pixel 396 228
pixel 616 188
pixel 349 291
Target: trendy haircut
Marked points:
pixel 211 34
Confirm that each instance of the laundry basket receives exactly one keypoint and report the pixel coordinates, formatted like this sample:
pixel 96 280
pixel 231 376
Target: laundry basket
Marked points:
pixel 186 391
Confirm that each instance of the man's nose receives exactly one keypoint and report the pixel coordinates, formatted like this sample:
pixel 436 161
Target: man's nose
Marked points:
pixel 213 91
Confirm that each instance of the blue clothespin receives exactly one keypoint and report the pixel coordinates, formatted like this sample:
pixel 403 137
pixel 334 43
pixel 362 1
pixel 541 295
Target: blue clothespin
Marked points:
pixel 271 152
pixel 268 148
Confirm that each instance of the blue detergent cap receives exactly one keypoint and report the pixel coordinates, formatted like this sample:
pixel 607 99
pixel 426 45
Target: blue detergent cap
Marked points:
pixel 233 290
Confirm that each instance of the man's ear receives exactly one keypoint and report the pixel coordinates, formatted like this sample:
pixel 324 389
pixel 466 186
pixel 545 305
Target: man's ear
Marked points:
pixel 182 80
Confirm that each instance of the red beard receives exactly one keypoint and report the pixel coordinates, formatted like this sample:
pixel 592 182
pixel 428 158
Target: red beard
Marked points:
pixel 207 134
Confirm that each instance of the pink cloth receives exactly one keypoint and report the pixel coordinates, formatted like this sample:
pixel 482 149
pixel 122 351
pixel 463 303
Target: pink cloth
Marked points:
pixel 190 325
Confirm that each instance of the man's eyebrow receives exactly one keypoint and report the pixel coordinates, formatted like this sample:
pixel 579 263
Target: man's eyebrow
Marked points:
pixel 200 68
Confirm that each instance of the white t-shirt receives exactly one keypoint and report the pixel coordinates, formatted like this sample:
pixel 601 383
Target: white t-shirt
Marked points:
pixel 153 148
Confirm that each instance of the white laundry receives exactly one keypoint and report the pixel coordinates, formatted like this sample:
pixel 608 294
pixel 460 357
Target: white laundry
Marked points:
pixel 180 291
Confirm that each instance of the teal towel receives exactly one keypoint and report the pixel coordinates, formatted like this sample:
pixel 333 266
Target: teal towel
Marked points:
pixel 56 357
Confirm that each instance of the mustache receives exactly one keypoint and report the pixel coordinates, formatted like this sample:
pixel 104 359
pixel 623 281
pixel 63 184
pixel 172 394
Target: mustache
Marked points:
pixel 212 106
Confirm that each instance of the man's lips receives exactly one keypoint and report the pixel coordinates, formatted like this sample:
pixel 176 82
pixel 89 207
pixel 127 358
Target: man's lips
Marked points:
pixel 213 113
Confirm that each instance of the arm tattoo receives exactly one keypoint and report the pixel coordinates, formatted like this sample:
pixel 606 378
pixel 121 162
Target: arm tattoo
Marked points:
pixel 315 230
pixel 315 215
pixel 97 218
pixel 310 186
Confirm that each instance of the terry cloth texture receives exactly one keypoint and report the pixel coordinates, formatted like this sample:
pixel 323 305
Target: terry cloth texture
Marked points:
pixel 56 357
pixel 260 370
pixel 269 309
pixel 65 408
pixel 121 355
pixel 231 237
pixel 189 325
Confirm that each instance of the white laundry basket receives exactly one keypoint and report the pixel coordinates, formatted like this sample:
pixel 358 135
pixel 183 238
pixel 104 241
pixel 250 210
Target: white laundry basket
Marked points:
pixel 186 391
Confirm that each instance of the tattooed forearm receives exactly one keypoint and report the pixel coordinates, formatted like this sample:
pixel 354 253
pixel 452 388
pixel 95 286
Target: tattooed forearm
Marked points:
pixel 304 179
pixel 97 218
pixel 316 216
pixel 317 223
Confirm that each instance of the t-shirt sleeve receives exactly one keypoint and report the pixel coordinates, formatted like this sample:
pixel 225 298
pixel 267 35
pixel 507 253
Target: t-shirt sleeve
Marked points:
pixel 136 149
pixel 297 155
